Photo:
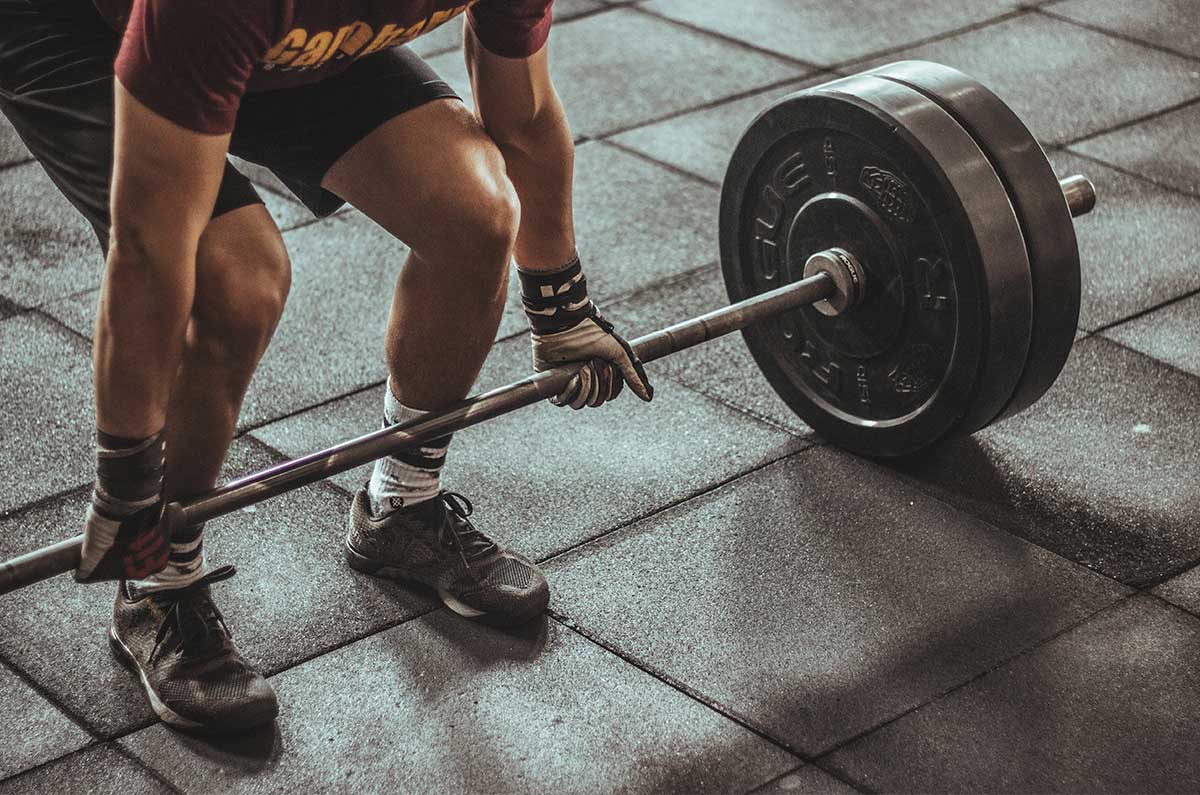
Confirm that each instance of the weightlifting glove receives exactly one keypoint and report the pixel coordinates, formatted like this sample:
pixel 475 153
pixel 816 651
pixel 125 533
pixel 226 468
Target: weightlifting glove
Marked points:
pixel 567 327
pixel 124 536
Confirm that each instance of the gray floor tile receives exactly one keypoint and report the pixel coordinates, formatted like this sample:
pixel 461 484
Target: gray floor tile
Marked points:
pixel 722 369
pixel 439 705
pixel 808 779
pixel 32 730
pixel 46 417
pixel 12 150
pixel 1110 706
pixel 546 477
pixel 829 33
pixel 1168 23
pixel 702 141
pixel 1170 334
pixel 294 597
pixel 1033 64
pixel 1165 149
pixel 675 69
pixel 820 596
pixel 48 250
pixel 1100 470
pixel 1183 590
pixel 1129 245
pixel 97 771
pixel 330 340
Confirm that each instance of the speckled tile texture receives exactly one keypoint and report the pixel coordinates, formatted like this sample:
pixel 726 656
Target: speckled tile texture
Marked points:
pixel 820 596
pixel 738 607
pixel 1110 706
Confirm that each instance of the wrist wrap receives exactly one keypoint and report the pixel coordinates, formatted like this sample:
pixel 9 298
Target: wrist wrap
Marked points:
pixel 556 300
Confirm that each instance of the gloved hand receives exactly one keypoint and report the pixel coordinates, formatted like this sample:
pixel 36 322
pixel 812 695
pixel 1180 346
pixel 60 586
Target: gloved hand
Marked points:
pixel 567 327
pixel 124 536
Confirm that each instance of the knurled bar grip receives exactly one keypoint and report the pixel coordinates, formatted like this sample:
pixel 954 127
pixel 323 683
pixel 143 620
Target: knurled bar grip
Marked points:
pixel 254 488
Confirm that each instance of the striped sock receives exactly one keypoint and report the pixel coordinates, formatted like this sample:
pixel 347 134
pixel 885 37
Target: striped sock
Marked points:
pixel 411 476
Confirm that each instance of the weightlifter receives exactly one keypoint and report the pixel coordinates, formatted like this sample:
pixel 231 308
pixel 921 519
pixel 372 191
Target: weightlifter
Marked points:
pixel 197 275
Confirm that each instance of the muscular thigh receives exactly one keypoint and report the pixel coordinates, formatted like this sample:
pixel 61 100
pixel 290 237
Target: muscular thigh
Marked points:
pixel 431 176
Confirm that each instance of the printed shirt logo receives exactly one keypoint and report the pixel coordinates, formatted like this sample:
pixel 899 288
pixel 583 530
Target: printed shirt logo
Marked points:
pixel 300 50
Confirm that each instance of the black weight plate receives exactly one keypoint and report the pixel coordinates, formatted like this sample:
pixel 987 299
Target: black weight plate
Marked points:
pixel 1034 190
pixel 941 337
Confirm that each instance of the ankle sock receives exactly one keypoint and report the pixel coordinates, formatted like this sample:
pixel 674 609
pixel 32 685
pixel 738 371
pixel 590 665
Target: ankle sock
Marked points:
pixel 411 476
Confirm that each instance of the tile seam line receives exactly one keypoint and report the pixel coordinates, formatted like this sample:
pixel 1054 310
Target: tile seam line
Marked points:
pixel 1174 606
pixel 674 169
pixel 1046 11
pixel 675 503
pixel 54 321
pixel 608 135
pixel 726 39
pixel 1141 354
pixel 1069 149
pixel 93 743
pixel 1124 125
pixel 31 682
pixel 677 685
pixel 1024 651
pixel 25 509
pixel 1141 313
pixel 149 769
pixel 16 164
pixel 854 63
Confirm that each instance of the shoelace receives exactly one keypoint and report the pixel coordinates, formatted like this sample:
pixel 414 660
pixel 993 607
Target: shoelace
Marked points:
pixel 198 623
pixel 471 542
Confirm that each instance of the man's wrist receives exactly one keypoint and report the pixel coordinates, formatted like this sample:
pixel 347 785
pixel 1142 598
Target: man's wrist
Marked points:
pixel 555 300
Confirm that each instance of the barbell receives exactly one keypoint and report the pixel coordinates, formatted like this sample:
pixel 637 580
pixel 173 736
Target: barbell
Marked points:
pixel 902 262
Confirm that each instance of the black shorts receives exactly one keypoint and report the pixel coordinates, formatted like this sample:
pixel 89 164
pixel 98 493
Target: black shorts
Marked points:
pixel 56 88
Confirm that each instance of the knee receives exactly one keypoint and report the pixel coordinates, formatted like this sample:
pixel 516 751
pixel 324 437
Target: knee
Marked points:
pixel 240 294
pixel 481 229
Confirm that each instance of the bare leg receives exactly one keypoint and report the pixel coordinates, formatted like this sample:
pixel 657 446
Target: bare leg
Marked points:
pixel 242 280
pixel 434 179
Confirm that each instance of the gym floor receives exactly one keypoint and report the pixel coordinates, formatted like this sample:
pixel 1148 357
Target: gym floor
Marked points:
pixel 737 607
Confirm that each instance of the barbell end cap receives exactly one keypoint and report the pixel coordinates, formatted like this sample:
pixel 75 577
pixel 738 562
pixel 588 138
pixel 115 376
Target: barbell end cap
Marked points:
pixel 848 277
pixel 1080 194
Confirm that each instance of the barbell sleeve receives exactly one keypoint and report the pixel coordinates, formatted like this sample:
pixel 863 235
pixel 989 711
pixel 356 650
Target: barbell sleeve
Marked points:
pixel 289 475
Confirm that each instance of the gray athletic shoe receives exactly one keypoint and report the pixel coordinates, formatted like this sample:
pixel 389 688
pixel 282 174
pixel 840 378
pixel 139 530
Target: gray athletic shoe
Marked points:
pixel 434 544
pixel 178 645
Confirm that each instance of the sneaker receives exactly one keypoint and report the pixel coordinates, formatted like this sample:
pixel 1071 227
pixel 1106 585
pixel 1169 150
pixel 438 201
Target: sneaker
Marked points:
pixel 434 544
pixel 177 643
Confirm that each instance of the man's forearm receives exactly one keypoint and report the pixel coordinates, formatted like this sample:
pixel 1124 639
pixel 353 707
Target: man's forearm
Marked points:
pixel 540 160
pixel 140 332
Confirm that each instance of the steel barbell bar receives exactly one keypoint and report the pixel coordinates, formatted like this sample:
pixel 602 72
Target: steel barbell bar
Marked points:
pixel 837 282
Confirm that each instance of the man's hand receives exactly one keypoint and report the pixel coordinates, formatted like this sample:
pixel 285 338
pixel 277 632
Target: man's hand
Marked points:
pixel 124 536
pixel 611 363
pixel 567 327
pixel 129 548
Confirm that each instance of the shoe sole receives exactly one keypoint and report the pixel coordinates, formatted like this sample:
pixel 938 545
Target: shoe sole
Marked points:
pixel 165 713
pixel 375 568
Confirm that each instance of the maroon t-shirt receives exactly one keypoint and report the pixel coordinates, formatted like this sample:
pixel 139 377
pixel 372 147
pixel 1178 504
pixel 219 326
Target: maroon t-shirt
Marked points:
pixel 192 60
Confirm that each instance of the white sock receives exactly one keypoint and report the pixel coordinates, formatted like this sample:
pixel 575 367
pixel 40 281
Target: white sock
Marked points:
pixel 187 564
pixel 411 476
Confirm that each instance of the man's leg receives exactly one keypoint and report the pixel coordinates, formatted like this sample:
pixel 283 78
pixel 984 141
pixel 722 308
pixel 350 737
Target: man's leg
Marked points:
pixel 434 179
pixel 167 626
pixel 242 281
